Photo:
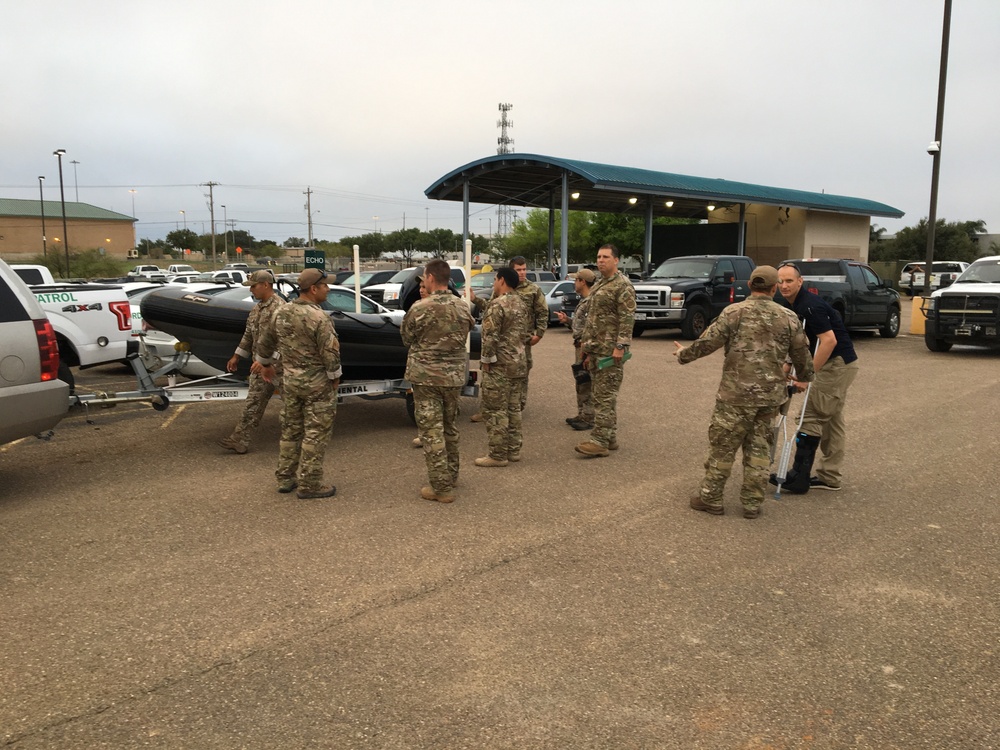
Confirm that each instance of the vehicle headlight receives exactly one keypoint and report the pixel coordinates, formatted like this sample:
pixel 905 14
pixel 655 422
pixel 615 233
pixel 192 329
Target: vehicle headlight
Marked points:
pixel 676 299
pixel 392 295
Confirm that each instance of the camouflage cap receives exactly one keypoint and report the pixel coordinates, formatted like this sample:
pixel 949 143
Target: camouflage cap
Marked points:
pixel 587 275
pixel 259 277
pixel 763 277
pixel 309 277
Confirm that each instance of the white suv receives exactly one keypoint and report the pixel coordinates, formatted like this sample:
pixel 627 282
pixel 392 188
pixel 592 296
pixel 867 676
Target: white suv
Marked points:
pixel 32 398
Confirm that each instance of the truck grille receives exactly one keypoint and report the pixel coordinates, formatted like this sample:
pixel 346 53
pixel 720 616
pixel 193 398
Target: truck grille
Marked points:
pixel 649 298
pixel 375 294
pixel 978 305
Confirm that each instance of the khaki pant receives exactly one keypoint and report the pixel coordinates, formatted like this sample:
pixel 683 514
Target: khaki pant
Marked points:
pixel 825 417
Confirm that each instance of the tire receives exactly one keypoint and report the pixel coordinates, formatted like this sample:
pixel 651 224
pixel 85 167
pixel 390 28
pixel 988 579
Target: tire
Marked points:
pixel 66 375
pixel 638 329
pixel 935 344
pixel 695 322
pixel 891 328
pixel 411 408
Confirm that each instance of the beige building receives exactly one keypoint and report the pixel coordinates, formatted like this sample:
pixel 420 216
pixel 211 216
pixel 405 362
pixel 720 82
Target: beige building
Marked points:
pixel 88 228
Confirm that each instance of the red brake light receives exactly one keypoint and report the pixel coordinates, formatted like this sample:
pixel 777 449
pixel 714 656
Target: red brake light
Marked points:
pixel 123 312
pixel 48 349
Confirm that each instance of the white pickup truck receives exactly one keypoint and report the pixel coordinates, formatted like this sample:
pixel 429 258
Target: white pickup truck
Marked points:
pixel 93 322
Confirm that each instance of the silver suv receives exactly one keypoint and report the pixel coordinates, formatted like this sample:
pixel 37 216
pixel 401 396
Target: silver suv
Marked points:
pixel 32 398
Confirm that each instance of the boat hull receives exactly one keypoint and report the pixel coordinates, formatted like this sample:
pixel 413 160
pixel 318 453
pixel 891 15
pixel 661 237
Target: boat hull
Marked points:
pixel 371 346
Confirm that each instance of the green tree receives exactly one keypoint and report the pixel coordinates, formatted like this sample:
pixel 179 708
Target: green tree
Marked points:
pixel 369 245
pixel 952 241
pixel 183 239
pixel 295 242
pixel 530 236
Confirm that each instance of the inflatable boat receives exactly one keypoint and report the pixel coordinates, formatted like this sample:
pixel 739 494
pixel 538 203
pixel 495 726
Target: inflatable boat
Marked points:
pixel 212 322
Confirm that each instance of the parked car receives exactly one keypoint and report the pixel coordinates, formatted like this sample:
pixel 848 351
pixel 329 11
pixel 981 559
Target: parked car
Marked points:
pixel 689 292
pixel 554 292
pixel 368 278
pixel 179 268
pixel 388 293
pixel 233 275
pixel 966 312
pixel 482 284
pixel 32 397
pixel 236 266
pixel 911 279
pixel 863 299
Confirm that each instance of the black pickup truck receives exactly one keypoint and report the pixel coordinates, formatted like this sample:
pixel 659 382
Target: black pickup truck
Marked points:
pixel 689 292
pixel 864 300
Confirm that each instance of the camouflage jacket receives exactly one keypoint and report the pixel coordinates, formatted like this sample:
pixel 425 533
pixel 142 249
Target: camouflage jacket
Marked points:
pixel 580 318
pixel 757 335
pixel 503 345
pixel 304 336
pixel 261 317
pixel 436 329
pixel 536 310
pixel 610 315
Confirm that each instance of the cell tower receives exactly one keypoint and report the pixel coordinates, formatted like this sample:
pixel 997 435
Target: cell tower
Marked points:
pixel 505 145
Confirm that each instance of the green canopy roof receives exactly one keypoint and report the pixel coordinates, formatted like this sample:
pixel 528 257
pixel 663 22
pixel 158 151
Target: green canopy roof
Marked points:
pixel 534 180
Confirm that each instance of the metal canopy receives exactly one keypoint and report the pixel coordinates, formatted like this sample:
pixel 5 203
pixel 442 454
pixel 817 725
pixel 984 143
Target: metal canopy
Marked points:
pixel 533 180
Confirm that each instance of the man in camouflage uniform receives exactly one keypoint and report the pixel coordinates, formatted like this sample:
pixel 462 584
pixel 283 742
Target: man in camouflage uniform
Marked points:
pixel 309 350
pixel 584 418
pixel 261 317
pixel 537 315
pixel 504 365
pixel 758 334
pixel 607 333
pixel 435 329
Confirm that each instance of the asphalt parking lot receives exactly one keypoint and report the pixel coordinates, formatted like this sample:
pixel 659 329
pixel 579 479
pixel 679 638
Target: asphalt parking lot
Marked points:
pixel 158 592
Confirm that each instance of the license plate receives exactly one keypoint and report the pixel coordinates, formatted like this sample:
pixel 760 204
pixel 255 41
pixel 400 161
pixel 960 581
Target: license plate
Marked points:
pixel 640 316
pixel 963 331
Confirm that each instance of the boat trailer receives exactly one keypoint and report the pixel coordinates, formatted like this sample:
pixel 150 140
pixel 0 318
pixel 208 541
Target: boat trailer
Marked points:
pixel 227 387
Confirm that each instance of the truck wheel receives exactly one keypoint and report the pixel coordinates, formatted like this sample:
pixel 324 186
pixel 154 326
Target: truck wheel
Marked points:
pixel 66 375
pixel 695 322
pixel 891 328
pixel 935 344
pixel 637 330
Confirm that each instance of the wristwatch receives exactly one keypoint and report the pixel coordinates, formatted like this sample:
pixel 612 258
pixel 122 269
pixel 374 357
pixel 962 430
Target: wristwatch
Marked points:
pixel 621 346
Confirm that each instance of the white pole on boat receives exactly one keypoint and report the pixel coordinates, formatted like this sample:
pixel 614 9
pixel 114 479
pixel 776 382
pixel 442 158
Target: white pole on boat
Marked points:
pixel 357 279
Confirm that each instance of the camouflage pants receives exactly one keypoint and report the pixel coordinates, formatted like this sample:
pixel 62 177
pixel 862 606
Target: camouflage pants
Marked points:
pixel 523 396
pixel 734 427
pixel 436 410
pixel 253 410
pixel 502 413
pixel 584 391
pixel 605 385
pixel 306 425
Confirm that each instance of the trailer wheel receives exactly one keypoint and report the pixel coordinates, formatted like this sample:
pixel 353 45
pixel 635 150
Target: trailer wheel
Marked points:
pixel 411 407
pixel 159 403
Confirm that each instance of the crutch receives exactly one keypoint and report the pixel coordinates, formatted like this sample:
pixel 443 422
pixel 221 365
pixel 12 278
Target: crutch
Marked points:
pixel 787 443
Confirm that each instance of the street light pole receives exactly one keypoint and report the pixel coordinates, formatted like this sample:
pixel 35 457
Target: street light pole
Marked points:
pixel 225 233
pixel 62 198
pixel 41 201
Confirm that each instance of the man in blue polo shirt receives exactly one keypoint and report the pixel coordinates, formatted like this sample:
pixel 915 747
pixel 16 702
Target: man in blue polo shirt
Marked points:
pixel 836 366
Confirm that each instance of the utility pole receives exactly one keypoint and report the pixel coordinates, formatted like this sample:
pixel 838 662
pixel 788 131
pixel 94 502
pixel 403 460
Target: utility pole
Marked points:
pixel 309 213
pixel 211 215
pixel 935 148
pixel 505 145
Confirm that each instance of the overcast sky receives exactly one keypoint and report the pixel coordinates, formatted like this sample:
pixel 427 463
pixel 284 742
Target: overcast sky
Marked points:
pixel 371 102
